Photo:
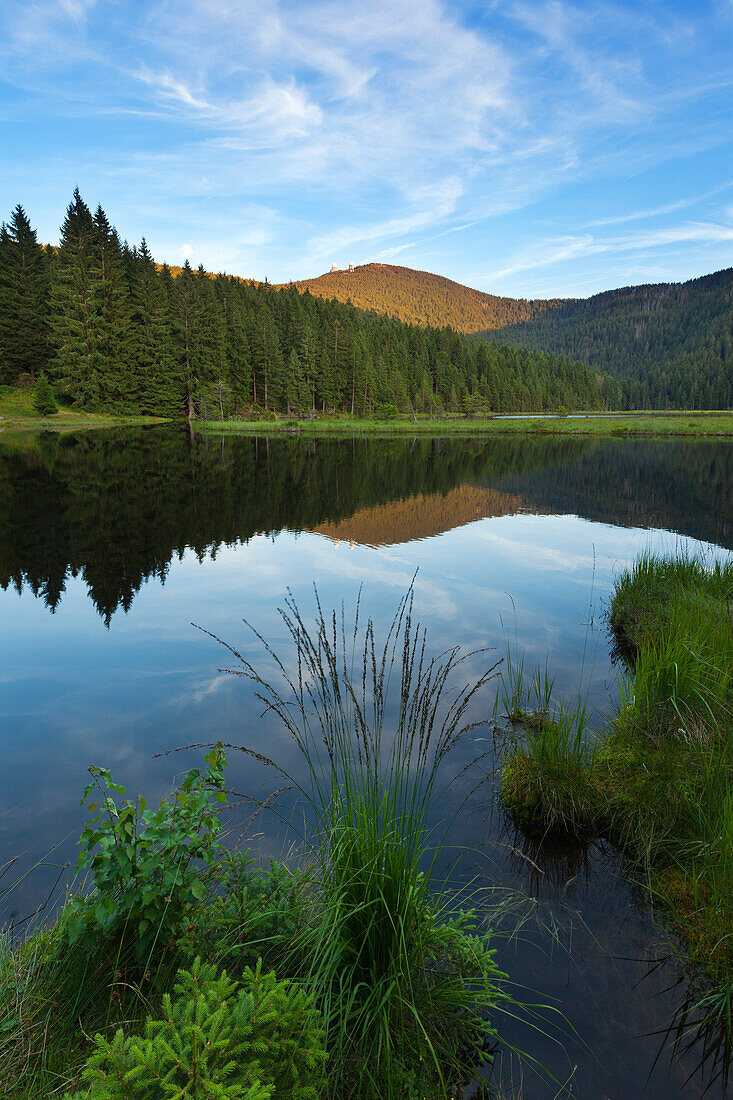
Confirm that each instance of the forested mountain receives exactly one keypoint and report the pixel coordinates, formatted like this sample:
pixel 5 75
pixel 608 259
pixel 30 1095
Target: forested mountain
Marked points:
pixel 669 344
pixel 423 299
pixel 114 331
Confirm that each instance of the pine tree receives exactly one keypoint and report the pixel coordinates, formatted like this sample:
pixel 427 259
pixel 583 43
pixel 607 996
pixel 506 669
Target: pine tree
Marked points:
pixel 74 306
pixel 24 300
pixel 44 401
pixel 153 384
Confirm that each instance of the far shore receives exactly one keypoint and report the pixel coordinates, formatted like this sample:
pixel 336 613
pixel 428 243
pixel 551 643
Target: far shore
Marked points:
pixel 18 415
pixel 682 423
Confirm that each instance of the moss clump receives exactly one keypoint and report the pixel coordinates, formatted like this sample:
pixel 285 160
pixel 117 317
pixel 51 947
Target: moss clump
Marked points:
pixel 550 798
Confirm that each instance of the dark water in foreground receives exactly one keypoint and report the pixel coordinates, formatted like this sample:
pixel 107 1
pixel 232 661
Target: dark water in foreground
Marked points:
pixel 112 543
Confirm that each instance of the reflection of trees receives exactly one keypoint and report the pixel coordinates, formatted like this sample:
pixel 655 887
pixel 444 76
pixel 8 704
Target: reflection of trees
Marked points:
pixel 682 486
pixel 115 507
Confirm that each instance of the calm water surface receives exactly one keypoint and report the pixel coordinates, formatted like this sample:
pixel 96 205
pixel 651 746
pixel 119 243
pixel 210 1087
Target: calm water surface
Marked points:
pixel 113 543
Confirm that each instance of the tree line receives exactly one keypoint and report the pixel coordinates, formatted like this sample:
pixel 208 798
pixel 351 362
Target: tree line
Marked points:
pixel 114 330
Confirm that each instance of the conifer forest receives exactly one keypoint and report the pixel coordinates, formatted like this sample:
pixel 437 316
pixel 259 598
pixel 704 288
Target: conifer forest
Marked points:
pixel 114 330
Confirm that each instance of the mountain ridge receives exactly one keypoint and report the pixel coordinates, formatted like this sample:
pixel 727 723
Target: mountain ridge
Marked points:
pixel 667 344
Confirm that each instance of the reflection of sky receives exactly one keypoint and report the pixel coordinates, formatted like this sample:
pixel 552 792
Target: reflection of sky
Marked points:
pixel 74 693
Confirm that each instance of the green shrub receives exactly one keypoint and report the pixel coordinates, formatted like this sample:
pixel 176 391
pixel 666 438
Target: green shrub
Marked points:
pixel 216 1039
pixel 147 864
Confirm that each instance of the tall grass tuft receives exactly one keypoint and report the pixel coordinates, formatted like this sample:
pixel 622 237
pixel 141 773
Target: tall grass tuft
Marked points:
pixel 404 979
pixel 546 785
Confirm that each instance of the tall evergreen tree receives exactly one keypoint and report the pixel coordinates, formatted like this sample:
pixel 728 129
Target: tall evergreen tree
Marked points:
pixel 74 306
pixel 187 344
pixel 112 315
pixel 211 338
pixel 24 300
pixel 153 382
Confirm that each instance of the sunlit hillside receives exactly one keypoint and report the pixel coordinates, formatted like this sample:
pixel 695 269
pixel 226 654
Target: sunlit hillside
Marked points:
pixel 423 299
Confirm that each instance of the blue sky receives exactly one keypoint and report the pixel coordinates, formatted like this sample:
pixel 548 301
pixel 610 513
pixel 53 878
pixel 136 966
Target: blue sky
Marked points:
pixel 524 148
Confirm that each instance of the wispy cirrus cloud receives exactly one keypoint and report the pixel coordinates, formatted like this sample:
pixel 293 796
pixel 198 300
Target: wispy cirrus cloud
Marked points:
pixel 563 249
pixel 374 128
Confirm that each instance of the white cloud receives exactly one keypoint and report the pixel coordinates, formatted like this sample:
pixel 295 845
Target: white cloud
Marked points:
pixel 374 126
pixel 560 250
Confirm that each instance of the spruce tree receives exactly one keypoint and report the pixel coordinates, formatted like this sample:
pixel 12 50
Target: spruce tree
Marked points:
pixel 186 317
pixel 44 401
pixel 74 306
pixel 153 385
pixel 24 300
pixel 211 339
pixel 114 343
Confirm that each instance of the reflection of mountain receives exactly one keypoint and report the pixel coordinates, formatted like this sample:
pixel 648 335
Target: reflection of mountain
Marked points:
pixel 116 507
pixel 421 516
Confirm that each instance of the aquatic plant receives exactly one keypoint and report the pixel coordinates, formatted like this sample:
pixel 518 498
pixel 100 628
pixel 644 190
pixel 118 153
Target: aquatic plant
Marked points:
pixel 546 784
pixel 661 783
pixel 403 978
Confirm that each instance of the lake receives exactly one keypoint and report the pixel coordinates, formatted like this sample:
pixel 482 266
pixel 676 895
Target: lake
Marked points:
pixel 112 543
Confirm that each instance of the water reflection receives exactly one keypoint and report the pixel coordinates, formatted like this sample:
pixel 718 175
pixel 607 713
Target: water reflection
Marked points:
pixel 116 507
pixel 512 538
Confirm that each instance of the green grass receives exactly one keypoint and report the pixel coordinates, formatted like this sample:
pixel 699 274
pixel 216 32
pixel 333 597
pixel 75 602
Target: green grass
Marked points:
pixel 18 415
pixel 662 779
pixel 545 782
pixel 402 976
pixel 615 425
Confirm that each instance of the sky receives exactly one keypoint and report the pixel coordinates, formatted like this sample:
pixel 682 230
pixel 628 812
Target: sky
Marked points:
pixel 532 148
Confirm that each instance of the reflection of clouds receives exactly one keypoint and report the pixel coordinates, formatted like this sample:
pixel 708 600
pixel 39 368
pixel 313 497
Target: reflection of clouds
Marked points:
pixel 78 692
pixel 198 693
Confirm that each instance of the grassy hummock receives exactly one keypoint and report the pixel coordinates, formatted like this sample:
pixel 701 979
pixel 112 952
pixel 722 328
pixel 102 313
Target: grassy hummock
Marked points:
pixel 661 782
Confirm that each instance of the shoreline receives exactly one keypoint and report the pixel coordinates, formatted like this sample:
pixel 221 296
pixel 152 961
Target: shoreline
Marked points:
pixel 635 424
pixel 656 780
pixel 17 417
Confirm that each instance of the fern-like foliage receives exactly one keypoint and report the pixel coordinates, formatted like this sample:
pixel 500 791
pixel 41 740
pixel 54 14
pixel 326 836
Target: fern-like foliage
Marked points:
pixel 216 1039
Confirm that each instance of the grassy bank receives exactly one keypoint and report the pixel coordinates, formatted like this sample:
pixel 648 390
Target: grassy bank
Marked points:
pixel 660 783
pixel 349 972
pixel 17 414
pixel 621 424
